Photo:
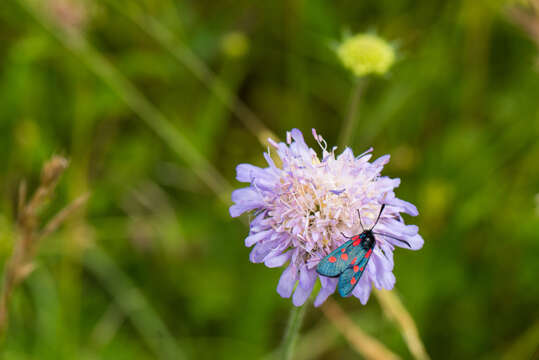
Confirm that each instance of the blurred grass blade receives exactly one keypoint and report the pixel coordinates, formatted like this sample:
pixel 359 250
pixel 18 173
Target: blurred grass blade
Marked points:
pixel 213 117
pixel 524 347
pixel 98 64
pixel 395 310
pixel 365 345
pixel 107 327
pixel 53 336
pixel 133 304
pixel 190 60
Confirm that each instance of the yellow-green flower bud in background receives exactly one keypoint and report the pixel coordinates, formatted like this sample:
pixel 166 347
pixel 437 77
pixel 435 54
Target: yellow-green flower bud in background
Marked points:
pixel 366 54
pixel 235 44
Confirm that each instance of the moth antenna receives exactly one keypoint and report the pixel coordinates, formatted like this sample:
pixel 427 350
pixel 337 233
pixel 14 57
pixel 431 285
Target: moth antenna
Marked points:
pixel 344 235
pixel 394 238
pixel 379 214
pixel 360 223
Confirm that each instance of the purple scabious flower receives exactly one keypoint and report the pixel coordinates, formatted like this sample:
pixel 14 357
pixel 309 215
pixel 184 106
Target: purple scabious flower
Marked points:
pixel 302 207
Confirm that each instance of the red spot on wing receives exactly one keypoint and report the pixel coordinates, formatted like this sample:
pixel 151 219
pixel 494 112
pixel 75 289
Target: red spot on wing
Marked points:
pixel 368 253
pixel 361 268
pixel 356 243
pixel 355 260
pixel 343 249
pixel 344 256
pixel 353 281
pixel 332 259
pixel 356 268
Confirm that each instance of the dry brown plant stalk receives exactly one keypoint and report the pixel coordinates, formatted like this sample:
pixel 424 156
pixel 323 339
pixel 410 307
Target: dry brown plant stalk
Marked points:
pixel 395 310
pixel 28 234
pixel 527 18
pixel 367 346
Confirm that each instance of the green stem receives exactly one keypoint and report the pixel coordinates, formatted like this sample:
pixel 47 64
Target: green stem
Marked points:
pixel 292 331
pixel 350 122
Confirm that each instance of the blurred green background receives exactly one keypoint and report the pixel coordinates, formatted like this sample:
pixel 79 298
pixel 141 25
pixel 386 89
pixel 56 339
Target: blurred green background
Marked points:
pixel 154 267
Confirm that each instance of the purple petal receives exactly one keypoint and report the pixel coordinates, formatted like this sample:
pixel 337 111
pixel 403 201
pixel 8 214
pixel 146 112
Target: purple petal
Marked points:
pixel 278 260
pixel 328 287
pixel 362 290
pixel 262 249
pixel 237 210
pixel 388 280
pixel 279 245
pixel 298 138
pixel 246 199
pixel 374 274
pixel 300 149
pixel 388 249
pixel 245 194
pixel 254 238
pixel 260 223
pixel 246 172
pixel 307 279
pixel 270 162
pixel 383 261
pixel 416 242
pixel 263 179
pixel 385 184
pixel 287 281
pixel 404 206
pixel 337 192
pixel 347 154
pixel 381 161
pixel 301 295
pixel 401 231
pixel 397 228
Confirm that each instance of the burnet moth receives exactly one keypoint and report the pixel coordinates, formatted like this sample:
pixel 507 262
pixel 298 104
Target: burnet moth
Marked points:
pixel 349 261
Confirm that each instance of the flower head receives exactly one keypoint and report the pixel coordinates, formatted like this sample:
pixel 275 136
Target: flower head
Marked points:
pixel 235 44
pixel 71 15
pixel 365 54
pixel 303 207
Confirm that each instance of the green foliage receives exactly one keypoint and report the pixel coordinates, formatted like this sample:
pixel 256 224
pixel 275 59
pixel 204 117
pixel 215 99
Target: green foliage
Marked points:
pixel 155 268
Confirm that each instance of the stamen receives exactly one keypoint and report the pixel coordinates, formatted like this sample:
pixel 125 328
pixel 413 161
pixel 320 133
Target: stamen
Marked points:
pixel 320 140
pixel 365 153
pixel 272 143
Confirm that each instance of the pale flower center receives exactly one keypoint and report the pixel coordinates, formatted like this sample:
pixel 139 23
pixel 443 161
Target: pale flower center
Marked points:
pixel 315 206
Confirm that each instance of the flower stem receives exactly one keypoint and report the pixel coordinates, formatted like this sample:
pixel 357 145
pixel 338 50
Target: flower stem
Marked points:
pixel 353 108
pixel 292 331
